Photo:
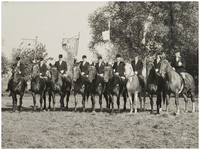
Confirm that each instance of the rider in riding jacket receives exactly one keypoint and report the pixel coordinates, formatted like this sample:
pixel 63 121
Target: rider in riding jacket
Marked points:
pixel 17 66
pixel 84 66
pixel 100 66
pixel 61 65
pixel 43 67
pixel 119 67
pixel 137 66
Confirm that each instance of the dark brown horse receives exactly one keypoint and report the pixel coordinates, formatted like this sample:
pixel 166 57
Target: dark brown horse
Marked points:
pixel 17 86
pixel 80 85
pixel 155 85
pixel 38 86
pixel 97 86
pixel 175 84
pixel 57 85
pixel 114 86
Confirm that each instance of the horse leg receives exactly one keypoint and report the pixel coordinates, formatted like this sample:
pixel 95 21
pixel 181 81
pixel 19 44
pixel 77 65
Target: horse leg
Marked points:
pixel 93 101
pixel 158 102
pixel 112 102
pixel 83 102
pixel 34 100
pixel 50 95
pixel 20 102
pixel 186 101
pixel 151 102
pixel 144 100
pixel 118 103
pixel 100 102
pixel 67 99
pixel 124 96
pixel 167 101
pixel 177 102
pixel 131 102
pixel 164 100
pixel 13 97
pixel 140 98
pixel 75 102
pixel 107 100
pixel 193 100
pixel 53 96
pixel 41 96
pixel 135 102
pixel 44 97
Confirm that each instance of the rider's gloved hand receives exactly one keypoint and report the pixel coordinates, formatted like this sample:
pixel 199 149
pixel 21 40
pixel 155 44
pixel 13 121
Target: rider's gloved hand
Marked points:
pixel 62 71
pixel 136 72
pixel 87 76
pixel 179 63
pixel 19 72
pixel 173 68
pixel 156 70
pixel 82 73
pixel 101 75
pixel 40 73
pixel 117 73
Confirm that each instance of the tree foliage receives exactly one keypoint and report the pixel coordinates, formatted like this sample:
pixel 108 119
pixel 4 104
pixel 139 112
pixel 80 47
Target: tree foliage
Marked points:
pixel 172 26
pixel 28 55
pixel 4 64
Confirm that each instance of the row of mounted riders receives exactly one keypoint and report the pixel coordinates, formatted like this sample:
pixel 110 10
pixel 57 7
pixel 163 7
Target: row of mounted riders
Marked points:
pixel 108 83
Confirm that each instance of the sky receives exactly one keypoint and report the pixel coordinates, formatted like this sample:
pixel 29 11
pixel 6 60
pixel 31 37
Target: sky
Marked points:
pixel 50 22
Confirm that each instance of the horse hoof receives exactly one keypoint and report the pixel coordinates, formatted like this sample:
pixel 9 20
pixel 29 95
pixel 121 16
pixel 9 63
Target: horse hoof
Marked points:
pixel 130 112
pixel 93 112
pixel 186 111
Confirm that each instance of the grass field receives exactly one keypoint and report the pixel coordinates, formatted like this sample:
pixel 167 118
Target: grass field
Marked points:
pixel 68 129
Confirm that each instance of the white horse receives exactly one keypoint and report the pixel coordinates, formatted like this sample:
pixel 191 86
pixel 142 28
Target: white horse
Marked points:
pixel 134 88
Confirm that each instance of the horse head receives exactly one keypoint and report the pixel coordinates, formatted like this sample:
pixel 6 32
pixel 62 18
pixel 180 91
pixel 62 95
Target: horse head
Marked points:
pixel 92 73
pixel 16 75
pixel 149 67
pixel 108 73
pixel 54 73
pixel 76 72
pixel 164 67
pixel 128 70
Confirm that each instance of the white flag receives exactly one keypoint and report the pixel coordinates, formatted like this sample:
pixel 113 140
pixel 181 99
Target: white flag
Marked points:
pixel 106 35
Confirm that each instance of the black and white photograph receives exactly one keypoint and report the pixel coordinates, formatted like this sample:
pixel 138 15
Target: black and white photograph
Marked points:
pixel 99 74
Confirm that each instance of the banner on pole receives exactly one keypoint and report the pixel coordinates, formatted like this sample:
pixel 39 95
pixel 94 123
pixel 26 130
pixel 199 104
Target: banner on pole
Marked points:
pixel 106 35
pixel 70 45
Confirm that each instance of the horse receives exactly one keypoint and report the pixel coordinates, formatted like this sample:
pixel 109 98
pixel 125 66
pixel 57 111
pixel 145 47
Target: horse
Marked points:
pixel 17 86
pixel 134 88
pixel 57 85
pixel 114 86
pixel 96 86
pixel 155 85
pixel 174 83
pixel 80 83
pixel 38 86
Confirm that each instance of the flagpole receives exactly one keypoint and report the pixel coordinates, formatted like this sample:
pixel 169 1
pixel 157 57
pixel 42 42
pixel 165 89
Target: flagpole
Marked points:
pixel 35 48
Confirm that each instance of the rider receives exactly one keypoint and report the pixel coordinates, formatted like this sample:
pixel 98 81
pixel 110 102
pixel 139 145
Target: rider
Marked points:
pixel 119 67
pixel 84 66
pixel 178 64
pixel 17 66
pixel 43 67
pixel 100 66
pixel 137 66
pixel 61 65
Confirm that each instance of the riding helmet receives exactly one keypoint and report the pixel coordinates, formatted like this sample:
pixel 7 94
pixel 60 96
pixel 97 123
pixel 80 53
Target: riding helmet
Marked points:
pixel 99 57
pixel 60 56
pixel 84 56
pixel 18 58
pixel 118 55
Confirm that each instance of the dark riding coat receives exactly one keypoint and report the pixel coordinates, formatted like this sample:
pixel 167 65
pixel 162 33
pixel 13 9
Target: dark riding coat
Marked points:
pixel 100 69
pixel 21 68
pixel 119 68
pixel 84 68
pixel 63 66
pixel 178 68
pixel 137 67
pixel 43 69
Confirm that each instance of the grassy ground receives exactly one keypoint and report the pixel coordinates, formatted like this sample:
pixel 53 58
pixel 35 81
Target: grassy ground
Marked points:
pixel 68 129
